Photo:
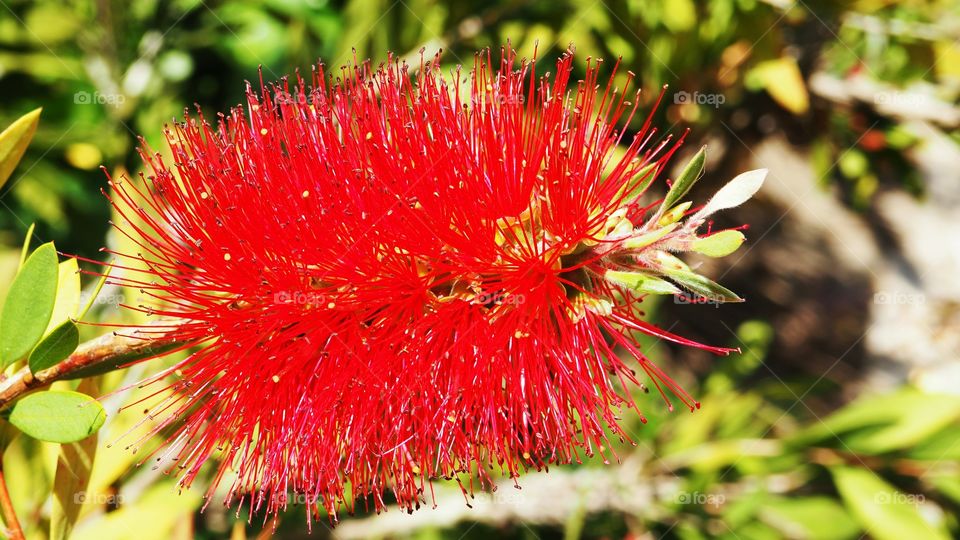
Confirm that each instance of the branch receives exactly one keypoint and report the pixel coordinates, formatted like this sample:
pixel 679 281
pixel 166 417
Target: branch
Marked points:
pixel 14 529
pixel 105 353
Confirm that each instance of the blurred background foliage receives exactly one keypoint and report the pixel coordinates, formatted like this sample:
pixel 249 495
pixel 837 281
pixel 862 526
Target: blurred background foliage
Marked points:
pixel 792 442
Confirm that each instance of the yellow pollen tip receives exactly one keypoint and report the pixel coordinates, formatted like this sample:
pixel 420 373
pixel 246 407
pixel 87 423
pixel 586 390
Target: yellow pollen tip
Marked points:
pixel 226 256
pixel 276 378
pixel 264 131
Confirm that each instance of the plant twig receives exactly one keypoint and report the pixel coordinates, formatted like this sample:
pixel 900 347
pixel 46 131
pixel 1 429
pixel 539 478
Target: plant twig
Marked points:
pixel 107 352
pixel 6 507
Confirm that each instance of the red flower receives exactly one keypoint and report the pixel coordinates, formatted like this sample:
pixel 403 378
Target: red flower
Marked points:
pixel 393 281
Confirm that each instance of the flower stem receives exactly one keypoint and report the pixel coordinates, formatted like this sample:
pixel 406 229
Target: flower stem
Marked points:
pixel 14 529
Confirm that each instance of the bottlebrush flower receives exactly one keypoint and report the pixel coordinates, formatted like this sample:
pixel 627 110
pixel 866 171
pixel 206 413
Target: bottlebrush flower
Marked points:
pixel 390 282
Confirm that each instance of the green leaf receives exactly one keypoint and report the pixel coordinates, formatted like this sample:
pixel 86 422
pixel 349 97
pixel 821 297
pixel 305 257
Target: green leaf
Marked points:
pixel 669 263
pixel 26 246
pixel 674 214
pixel 719 244
pixel 74 467
pixel 95 293
pixel 29 305
pixel 56 346
pixel 703 287
pixel 883 423
pixel 638 184
pixel 58 416
pixel 884 512
pixel 14 141
pixel 815 518
pixel 68 295
pixel 948 485
pixel 687 178
pixel 643 240
pixel 160 506
pixel 942 445
pixel 641 283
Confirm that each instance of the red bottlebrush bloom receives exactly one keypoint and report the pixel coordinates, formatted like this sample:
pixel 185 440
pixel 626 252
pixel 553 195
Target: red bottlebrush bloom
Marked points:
pixel 397 278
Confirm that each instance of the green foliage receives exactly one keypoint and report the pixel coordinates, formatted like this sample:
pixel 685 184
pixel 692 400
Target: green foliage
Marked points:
pixel 884 512
pixel 29 305
pixel 56 346
pixel 57 416
pixel 688 176
pixel 72 476
pixel 14 141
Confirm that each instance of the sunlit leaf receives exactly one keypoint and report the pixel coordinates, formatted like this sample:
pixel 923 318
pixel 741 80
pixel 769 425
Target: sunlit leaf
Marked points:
pixel 814 518
pixel 641 283
pixel 14 141
pixel 74 466
pixel 29 305
pixel 703 286
pixel 68 294
pixel 719 244
pixel 58 416
pixel 25 250
pixel 54 347
pixel 784 82
pixel 884 512
pixel 882 423
pixel 686 179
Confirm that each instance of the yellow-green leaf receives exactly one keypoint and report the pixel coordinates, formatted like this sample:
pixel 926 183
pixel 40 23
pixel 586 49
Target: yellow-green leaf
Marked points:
pixel 54 347
pixel 674 214
pixel 641 241
pixel 641 283
pixel 29 305
pixel 68 295
pixel 784 82
pixel 703 287
pixel 686 179
pixel 719 244
pixel 74 466
pixel 58 416
pixel 885 513
pixel 14 141
pixel 26 246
